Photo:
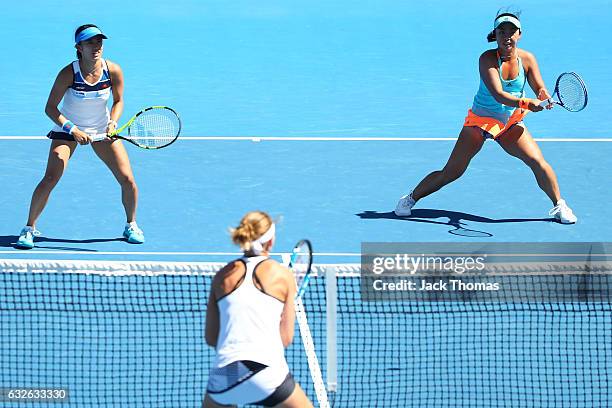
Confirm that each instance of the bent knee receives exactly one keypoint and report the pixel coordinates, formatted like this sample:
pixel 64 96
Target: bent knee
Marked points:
pixel 127 180
pixel 536 162
pixel 450 174
pixel 51 178
pixel 59 159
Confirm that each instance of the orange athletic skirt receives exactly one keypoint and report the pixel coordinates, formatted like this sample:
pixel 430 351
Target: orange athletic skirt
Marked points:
pixel 494 126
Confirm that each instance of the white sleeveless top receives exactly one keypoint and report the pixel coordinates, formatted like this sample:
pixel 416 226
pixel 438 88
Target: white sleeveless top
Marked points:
pixel 250 324
pixel 85 104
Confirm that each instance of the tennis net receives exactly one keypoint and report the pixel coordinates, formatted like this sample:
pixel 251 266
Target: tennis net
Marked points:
pixel 130 334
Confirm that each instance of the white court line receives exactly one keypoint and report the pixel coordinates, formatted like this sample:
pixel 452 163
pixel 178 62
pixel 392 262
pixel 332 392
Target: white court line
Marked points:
pixel 330 139
pixel 21 252
pixel 24 252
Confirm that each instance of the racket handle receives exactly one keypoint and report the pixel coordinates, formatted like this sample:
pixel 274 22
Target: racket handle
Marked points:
pixel 547 102
pixel 302 287
pixel 286 258
pixel 98 138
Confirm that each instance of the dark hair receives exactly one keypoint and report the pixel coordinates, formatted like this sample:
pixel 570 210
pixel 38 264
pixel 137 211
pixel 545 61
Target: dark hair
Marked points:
pixel 505 11
pixel 78 30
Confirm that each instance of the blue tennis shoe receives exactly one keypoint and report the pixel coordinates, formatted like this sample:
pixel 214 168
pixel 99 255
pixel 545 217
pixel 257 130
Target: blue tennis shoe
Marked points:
pixel 133 234
pixel 26 237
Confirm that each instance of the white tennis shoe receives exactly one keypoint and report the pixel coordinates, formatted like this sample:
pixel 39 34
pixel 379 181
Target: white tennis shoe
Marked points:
pixel 404 206
pixel 562 213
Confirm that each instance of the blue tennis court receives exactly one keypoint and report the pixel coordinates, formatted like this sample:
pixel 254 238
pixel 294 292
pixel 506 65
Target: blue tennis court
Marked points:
pixel 322 114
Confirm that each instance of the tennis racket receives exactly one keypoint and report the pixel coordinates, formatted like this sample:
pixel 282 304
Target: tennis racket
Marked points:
pixel 151 128
pixel 301 264
pixel 570 93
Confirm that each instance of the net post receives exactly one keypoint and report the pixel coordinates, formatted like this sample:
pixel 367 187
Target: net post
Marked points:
pixel 331 296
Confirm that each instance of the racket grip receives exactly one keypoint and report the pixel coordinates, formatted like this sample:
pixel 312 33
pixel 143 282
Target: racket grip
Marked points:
pixel 302 287
pixel 286 258
pixel 547 102
pixel 98 138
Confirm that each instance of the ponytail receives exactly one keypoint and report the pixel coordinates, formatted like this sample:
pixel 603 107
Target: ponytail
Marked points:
pixel 252 226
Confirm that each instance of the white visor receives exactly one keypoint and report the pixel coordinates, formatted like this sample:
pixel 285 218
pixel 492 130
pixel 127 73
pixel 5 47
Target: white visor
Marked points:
pixel 507 19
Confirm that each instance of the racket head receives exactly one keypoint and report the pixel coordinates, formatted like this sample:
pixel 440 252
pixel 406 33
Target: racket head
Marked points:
pixel 154 127
pixel 571 92
pixel 301 264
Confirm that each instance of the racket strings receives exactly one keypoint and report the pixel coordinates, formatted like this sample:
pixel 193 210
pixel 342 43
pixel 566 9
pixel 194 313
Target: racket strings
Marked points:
pixel 301 261
pixel 572 92
pixel 155 127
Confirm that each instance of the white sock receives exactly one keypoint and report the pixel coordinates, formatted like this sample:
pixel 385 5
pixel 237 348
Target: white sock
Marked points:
pixel 131 224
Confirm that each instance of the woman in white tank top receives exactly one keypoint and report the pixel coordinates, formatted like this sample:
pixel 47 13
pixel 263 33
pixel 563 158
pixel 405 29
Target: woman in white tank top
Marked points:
pixel 250 320
pixel 85 86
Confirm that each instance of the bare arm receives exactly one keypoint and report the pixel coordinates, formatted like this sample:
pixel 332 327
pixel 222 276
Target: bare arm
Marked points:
pixel 534 77
pixel 63 82
pixel 117 109
pixel 489 72
pixel 287 324
pixel 212 318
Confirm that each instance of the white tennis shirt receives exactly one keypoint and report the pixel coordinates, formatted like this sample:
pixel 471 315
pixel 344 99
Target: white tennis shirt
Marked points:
pixel 250 324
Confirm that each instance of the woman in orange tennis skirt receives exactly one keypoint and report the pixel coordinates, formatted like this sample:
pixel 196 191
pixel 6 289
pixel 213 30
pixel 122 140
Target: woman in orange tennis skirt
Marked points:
pixel 497 113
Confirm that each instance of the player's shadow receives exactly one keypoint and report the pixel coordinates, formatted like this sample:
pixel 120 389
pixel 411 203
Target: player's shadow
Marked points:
pixel 455 219
pixel 8 241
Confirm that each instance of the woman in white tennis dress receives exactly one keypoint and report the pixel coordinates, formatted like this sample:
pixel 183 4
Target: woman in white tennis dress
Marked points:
pixel 85 86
